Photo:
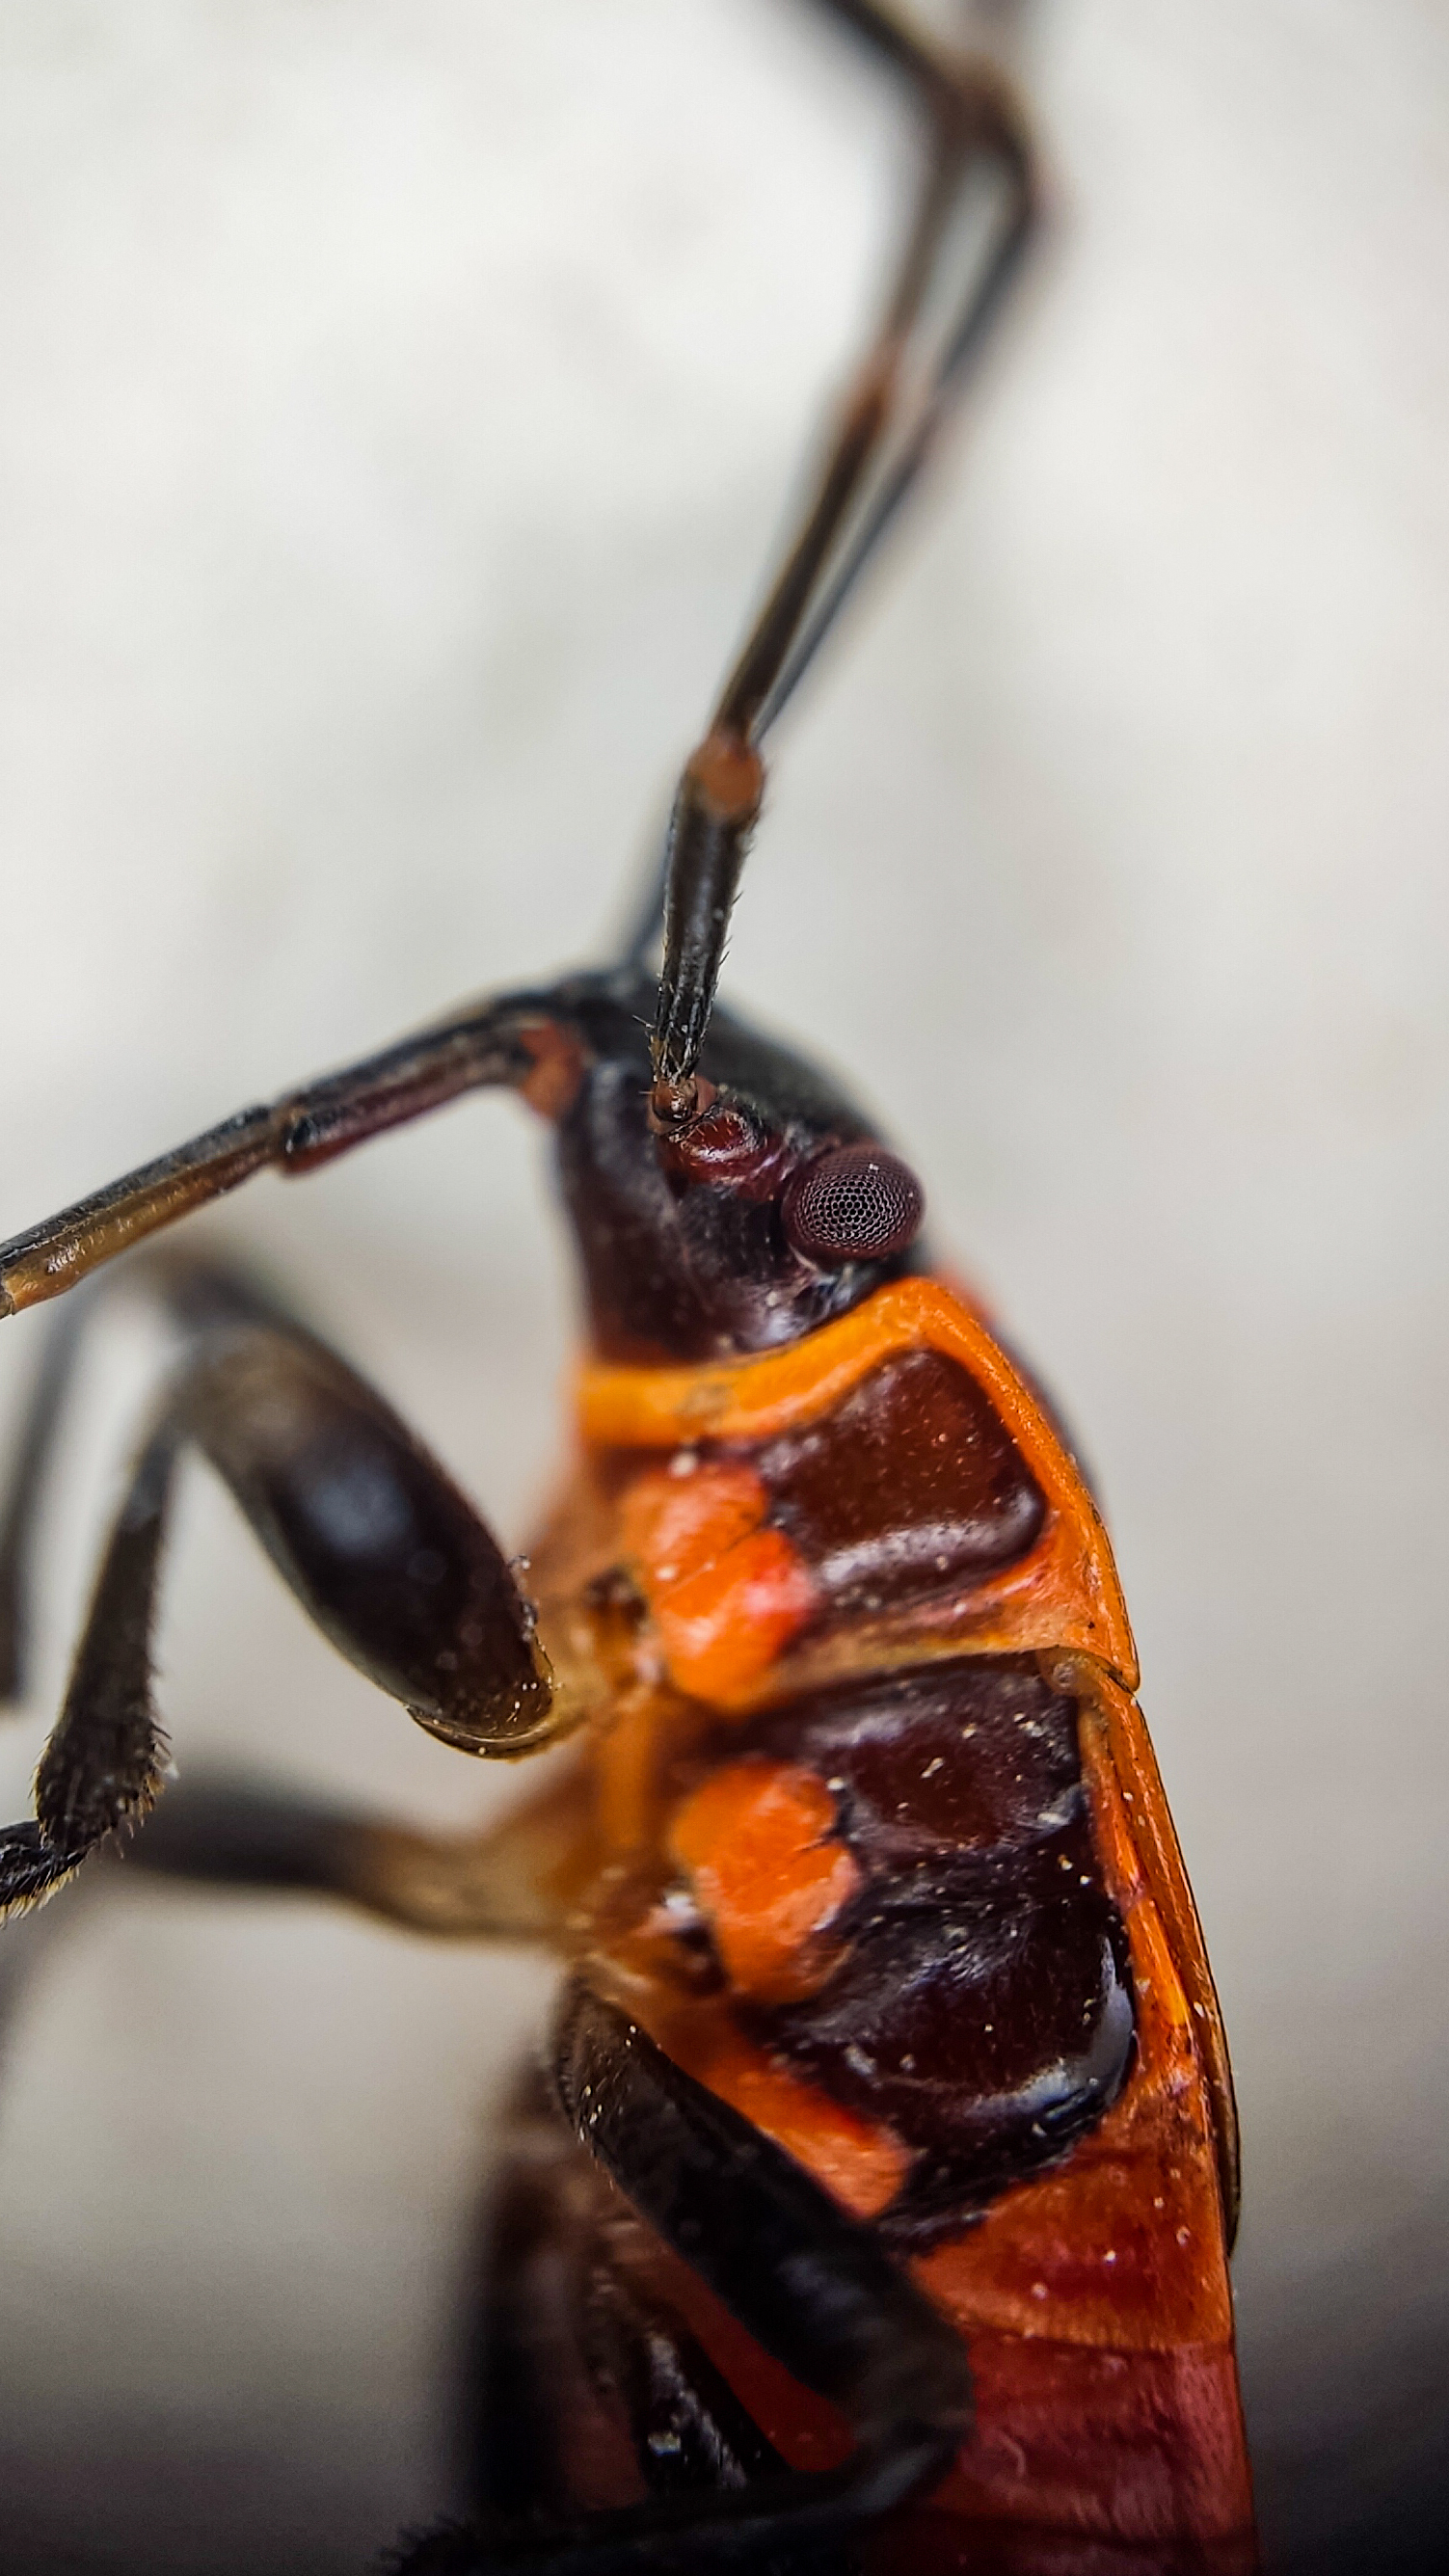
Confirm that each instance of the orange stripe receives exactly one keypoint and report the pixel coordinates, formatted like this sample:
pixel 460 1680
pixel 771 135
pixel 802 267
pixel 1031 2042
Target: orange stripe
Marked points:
pixel 1121 1767
pixel 861 2163
pixel 754 1399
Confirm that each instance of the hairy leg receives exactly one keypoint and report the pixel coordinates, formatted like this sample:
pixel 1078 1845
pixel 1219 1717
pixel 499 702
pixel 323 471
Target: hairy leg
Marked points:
pixel 366 1528
pixel 254 1836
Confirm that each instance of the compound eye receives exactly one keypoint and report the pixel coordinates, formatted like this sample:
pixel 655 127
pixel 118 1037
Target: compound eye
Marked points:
pixel 855 1204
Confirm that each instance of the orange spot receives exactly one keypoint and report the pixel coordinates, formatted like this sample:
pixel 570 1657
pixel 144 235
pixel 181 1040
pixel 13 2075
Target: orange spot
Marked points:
pixel 728 777
pixel 557 1068
pixel 861 2163
pixel 677 1525
pixel 725 1627
pixel 726 1592
pixel 754 1840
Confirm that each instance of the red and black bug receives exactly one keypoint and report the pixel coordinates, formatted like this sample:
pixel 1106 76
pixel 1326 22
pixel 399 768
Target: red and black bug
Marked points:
pixel 877 2207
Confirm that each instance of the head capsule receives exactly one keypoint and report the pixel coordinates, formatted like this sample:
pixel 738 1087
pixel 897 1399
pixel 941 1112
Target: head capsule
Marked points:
pixel 771 1212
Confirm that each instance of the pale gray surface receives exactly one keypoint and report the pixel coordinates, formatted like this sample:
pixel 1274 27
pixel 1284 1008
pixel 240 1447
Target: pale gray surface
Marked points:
pixel 398 399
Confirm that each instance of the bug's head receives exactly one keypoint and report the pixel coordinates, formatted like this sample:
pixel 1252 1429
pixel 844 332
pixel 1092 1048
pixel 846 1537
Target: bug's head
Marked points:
pixel 771 1211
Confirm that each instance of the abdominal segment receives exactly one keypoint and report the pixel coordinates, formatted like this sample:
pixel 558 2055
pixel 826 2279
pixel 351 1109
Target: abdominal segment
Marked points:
pixel 963 1978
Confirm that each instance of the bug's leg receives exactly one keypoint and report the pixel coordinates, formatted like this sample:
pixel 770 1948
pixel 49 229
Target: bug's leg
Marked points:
pixel 25 1954
pixel 689 2430
pixel 489 1044
pixel 247 1835
pixel 197 1291
pixel 19 1508
pixel 369 1532
pixel 528 2407
pixel 581 2380
pixel 814 2288
pixel 518 2407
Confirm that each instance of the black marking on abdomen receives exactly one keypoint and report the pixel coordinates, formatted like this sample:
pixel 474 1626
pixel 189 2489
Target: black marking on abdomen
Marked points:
pixel 983 2006
pixel 910 1486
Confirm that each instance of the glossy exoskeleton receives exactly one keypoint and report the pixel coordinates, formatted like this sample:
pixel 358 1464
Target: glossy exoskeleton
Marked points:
pixel 875 2209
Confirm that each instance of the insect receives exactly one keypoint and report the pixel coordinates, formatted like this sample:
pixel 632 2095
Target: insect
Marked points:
pixel 879 2196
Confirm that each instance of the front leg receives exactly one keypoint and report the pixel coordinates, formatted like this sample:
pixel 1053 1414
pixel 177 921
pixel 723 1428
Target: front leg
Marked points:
pixel 489 1044
pixel 367 1529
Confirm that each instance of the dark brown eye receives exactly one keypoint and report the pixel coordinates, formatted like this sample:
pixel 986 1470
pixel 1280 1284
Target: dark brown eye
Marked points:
pixel 856 1204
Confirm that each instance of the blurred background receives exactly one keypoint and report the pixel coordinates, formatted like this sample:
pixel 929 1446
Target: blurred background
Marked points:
pixel 400 398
